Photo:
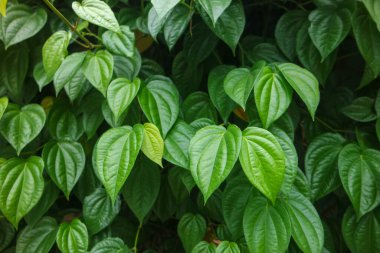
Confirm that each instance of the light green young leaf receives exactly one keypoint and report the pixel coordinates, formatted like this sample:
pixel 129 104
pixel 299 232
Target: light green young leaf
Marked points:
pixel 64 162
pixel 21 23
pixel 98 69
pixel 191 230
pixel 19 126
pixel 163 7
pixel 3 7
pixel 54 51
pixel 263 161
pixel 109 245
pixel 114 156
pixel 360 173
pixel 215 8
pixel 213 152
pixel 120 95
pixel 120 43
pixel 153 144
pixel 304 83
pixel 21 186
pixel 38 238
pixel 3 105
pixel 72 237
pixel 97 12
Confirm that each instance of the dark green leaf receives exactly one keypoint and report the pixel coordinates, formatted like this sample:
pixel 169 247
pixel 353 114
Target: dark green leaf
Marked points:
pixel 191 230
pixel 361 109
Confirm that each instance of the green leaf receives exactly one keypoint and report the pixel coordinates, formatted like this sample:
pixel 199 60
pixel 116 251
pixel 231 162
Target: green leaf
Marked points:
pixel 176 24
pixel 70 76
pixel 64 162
pixel 361 109
pixel 7 232
pixel 98 69
pixel 286 31
pixel 21 23
pixel 163 7
pixel 177 144
pixel 120 95
pixel 215 8
pixel 120 43
pixel 360 174
pixel 328 28
pixel 155 23
pixel 98 211
pixel 21 186
pixel 213 152
pixel 321 164
pixel 72 237
pixel 378 129
pixel 267 228
pixel 110 245
pixel 238 85
pixel 191 230
pixel 19 126
pixel 153 144
pixel 39 238
pixel 304 83
pixel 367 38
pixel 263 161
pixel 159 101
pixel 307 229
pixel 54 51
pixel 362 235
pixel 110 118
pixel 142 188
pixel 228 247
pixel 373 8
pixel 97 12
pixel 3 105
pixel 198 105
pixel 40 75
pixel 204 247
pixel 230 24
pixel 128 67
pixel 273 95
pixel 114 156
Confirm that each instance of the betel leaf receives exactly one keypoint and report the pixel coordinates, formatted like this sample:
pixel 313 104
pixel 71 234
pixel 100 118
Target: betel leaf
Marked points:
pixel 227 247
pixel 361 109
pixel 328 28
pixel 114 156
pixel 304 83
pixel 373 8
pixel 3 105
pixel 175 24
pixel 142 188
pixel 286 31
pixel 109 245
pixel 273 95
pixel 98 211
pixel 7 232
pixel 70 75
pixel 321 164
pixel 159 101
pixel 263 223
pixel 191 229
pixel 163 7
pixel 215 8
pixel 98 69
pixel 155 23
pixel 198 105
pixel 218 96
pixel 64 161
pixel 97 12
pixel 120 95
pixel 153 144
pixel 204 247
pixel 21 23
pixel 213 152
pixel 21 186
pixel 38 238
pixel 40 75
pixel 362 235
pixel 72 237
pixel 19 126
pixel 177 144
pixel 307 229
pixel 54 51
pixel 230 25
pixel 367 37
pixel 360 173
pixel 263 161
pixel 120 43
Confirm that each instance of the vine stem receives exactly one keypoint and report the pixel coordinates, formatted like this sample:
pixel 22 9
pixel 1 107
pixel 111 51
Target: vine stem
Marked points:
pixel 137 238
pixel 68 23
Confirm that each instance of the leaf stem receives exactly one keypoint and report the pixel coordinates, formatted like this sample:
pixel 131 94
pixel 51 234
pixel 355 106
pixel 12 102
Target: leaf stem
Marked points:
pixel 137 238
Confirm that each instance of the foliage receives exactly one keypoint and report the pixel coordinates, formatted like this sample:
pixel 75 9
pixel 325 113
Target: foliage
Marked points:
pixel 190 126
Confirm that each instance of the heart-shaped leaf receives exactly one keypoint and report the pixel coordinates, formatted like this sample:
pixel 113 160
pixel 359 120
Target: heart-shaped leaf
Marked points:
pixel 164 7
pixel 120 43
pixel 72 237
pixel 153 144
pixel 191 229
pixel 110 244
pixel 215 8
